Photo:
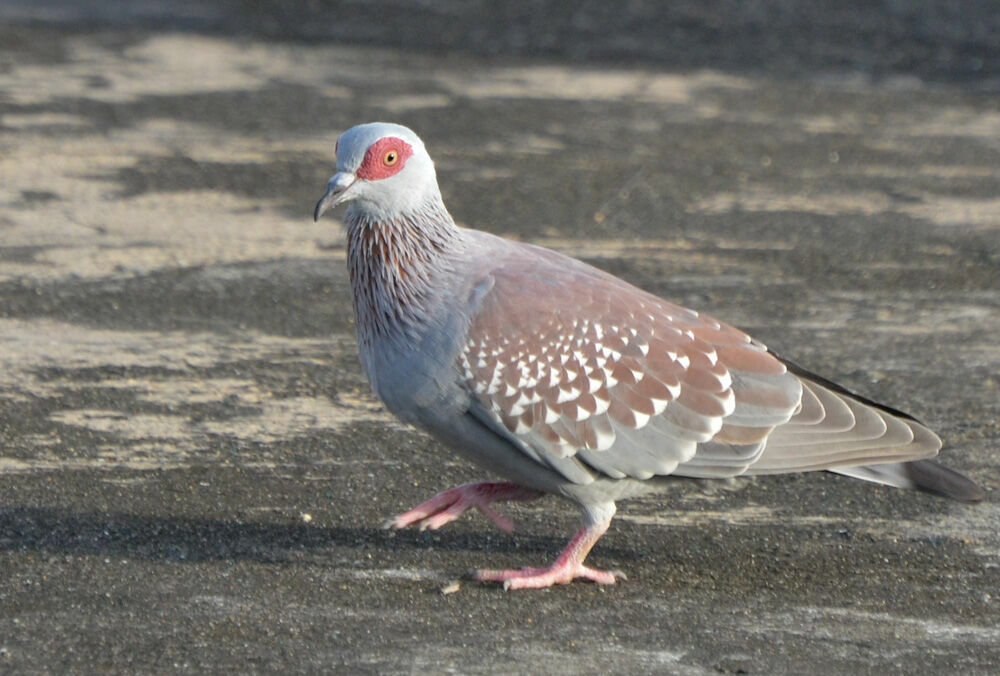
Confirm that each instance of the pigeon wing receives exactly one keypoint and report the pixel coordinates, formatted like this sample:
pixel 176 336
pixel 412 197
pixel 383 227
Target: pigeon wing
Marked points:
pixel 592 376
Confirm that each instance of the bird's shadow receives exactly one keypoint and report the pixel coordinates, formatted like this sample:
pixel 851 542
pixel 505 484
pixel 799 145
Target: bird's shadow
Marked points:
pixel 185 539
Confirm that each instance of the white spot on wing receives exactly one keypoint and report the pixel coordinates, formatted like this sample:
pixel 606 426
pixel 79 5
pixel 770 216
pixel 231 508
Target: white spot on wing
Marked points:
pixel 495 381
pixel 569 395
pixel 728 402
pixel 605 438
pixel 675 390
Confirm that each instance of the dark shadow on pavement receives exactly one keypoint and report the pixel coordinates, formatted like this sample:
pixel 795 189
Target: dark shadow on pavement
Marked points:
pixel 178 539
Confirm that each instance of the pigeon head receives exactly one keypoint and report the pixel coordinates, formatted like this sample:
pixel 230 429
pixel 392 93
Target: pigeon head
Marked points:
pixel 383 170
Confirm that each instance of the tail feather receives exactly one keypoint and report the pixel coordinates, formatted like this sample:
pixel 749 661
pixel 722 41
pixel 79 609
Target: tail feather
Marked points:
pixel 921 475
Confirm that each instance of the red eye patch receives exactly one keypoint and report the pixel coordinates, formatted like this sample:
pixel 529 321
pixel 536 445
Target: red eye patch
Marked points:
pixel 384 158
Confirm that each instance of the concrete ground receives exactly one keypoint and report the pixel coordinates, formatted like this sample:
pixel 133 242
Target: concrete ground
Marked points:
pixel 193 472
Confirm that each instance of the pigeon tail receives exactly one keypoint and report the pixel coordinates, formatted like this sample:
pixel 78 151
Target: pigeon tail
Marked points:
pixel 922 475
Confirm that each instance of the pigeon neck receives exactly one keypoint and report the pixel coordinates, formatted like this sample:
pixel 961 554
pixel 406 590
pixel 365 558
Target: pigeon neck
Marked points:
pixel 394 264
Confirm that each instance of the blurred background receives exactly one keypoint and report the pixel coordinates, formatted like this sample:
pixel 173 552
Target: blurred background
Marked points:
pixel 945 40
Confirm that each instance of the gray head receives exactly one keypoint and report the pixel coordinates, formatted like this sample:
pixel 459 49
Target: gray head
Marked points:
pixel 384 170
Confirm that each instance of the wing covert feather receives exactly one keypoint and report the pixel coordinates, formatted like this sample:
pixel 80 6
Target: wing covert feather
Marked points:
pixel 573 362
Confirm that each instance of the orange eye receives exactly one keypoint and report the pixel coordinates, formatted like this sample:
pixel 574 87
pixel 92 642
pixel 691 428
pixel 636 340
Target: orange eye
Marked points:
pixel 390 158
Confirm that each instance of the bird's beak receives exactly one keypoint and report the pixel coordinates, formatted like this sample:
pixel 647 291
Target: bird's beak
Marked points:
pixel 336 192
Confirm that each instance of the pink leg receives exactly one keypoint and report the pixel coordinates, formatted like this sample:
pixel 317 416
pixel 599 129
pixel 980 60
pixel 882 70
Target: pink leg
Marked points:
pixel 567 567
pixel 449 505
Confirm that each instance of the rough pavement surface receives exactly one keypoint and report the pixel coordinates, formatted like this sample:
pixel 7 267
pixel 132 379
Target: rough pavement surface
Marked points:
pixel 193 472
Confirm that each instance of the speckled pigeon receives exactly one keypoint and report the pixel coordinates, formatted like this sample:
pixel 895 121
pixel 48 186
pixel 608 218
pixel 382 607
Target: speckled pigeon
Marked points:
pixel 564 379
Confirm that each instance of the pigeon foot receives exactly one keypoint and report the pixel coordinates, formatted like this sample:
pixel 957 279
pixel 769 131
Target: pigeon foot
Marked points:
pixel 451 504
pixel 568 567
pixel 540 578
